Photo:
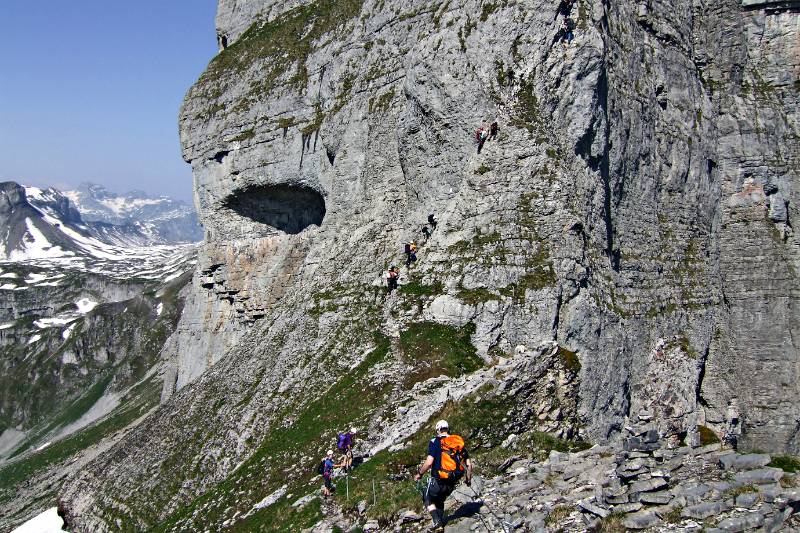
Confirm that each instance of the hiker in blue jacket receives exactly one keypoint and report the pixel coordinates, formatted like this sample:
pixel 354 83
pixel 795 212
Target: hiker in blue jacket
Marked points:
pixel 327 473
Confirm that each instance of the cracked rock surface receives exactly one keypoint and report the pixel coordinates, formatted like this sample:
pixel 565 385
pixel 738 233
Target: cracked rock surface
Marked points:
pixel 634 212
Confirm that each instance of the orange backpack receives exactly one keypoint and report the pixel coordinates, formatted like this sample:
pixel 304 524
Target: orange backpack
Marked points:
pixel 453 461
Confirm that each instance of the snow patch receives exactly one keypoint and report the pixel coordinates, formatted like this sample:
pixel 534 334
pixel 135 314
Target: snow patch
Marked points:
pixel 67 332
pixel 9 275
pixel 34 278
pixel 35 338
pixel 159 309
pixel 85 305
pixel 43 446
pixel 6 326
pixel 8 287
pixel 37 248
pixel 43 323
pixel 47 522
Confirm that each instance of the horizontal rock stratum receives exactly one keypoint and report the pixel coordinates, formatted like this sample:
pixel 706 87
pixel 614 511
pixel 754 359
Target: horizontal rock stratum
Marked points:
pixel 623 246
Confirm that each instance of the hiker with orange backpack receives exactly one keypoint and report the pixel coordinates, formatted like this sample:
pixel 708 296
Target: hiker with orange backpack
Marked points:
pixel 448 462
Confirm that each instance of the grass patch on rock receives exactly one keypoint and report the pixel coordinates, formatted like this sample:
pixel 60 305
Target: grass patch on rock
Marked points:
pixel 300 442
pixel 787 463
pixel 436 349
pixel 707 435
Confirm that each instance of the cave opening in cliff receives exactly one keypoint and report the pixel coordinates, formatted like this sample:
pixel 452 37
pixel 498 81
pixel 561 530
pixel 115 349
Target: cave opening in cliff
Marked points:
pixel 287 208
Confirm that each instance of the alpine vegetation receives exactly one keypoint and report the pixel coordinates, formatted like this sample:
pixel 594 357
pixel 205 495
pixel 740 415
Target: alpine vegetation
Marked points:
pixel 564 227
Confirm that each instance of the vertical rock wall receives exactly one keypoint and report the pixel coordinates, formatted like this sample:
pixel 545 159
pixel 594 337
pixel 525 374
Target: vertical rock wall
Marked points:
pixel 636 208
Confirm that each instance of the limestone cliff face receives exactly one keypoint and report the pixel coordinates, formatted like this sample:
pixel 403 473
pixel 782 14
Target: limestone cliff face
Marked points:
pixel 635 209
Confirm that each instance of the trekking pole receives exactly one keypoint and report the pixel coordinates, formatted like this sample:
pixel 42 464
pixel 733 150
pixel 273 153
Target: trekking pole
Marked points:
pixel 347 487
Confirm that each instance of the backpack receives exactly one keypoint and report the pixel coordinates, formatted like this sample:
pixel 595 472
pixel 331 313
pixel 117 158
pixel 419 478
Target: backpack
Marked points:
pixel 453 460
pixel 321 467
pixel 343 441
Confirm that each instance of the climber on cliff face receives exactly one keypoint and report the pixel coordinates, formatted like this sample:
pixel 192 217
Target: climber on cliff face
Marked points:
pixel 392 275
pixel 480 136
pixel 448 462
pixel 493 130
pixel 432 220
pixel 564 8
pixel 411 253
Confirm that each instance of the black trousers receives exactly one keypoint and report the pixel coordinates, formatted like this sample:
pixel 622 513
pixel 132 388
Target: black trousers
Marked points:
pixel 437 492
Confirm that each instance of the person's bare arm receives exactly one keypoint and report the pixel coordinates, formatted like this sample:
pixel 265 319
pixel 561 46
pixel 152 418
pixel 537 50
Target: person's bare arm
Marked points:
pixel 468 481
pixel 424 468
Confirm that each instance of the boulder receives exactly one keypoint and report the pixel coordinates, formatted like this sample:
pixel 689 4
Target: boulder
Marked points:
pixel 705 510
pixel 641 520
pixel 744 462
pixel 761 476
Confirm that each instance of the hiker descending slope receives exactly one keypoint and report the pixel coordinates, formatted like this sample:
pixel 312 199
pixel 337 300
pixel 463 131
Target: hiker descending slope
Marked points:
pixel 448 462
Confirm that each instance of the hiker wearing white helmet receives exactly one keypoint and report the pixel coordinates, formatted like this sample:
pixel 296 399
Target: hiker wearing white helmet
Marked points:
pixel 448 462
pixel 326 468
pixel 345 443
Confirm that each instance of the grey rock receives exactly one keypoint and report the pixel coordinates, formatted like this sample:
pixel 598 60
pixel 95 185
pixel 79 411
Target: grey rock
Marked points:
pixel 747 500
pixel 661 124
pixel 656 498
pixel 594 509
pixel 410 516
pixel 704 510
pixel 744 462
pixel 775 523
pixel 305 500
pixel 627 507
pixel 761 476
pixel 648 485
pixel 741 522
pixel 641 520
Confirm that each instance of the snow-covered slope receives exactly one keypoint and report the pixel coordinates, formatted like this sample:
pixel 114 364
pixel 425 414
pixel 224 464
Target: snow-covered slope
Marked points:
pixel 42 226
pixel 161 218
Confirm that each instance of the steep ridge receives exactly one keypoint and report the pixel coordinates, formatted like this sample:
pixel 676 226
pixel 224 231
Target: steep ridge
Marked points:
pixel 635 209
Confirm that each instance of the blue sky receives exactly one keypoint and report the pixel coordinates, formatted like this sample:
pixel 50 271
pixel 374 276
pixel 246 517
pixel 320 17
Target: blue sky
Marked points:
pixel 90 90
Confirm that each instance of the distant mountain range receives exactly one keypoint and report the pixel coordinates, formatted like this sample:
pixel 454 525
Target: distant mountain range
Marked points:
pixel 162 218
pixel 46 223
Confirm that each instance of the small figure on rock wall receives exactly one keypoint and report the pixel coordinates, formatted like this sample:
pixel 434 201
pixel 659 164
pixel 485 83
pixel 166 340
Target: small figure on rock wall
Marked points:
pixel 480 137
pixel 432 220
pixel 493 130
pixel 392 275
pixel 448 462
pixel 411 253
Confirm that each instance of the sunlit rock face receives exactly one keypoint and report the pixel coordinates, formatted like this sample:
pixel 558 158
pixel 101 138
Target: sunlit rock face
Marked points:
pixel 636 209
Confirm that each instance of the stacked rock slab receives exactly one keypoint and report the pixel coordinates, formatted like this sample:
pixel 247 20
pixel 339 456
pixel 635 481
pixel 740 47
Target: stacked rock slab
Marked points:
pixel 621 487
pixel 636 208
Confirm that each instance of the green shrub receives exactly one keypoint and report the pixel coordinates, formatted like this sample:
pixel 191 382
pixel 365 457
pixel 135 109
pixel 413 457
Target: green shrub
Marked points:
pixel 707 435
pixel 787 463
